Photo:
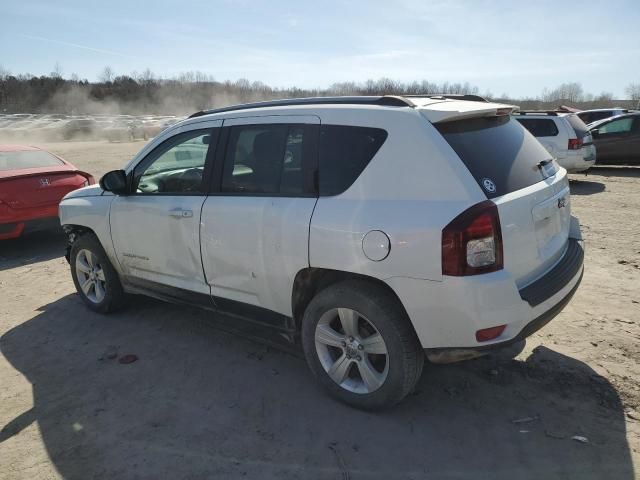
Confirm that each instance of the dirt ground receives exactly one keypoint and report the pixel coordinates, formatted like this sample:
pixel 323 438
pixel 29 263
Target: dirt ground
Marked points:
pixel 203 403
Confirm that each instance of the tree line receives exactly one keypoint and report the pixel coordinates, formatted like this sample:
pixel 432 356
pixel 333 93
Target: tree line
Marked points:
pixel 145 93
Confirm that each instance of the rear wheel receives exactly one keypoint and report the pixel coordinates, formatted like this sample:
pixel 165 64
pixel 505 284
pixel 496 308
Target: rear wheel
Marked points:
pixel 359 343
pixel 95 279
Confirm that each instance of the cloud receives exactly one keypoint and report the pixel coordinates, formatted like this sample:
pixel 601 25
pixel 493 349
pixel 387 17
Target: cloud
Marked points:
pixel 76 45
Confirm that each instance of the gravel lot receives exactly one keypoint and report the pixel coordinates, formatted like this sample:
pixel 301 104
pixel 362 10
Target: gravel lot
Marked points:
pixel 203 403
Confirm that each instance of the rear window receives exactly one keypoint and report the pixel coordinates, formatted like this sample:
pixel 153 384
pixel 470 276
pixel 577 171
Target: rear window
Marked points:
pixel 500 154
pixel 27 159
pixel 540 127
pixel 345 152
pixel 578 125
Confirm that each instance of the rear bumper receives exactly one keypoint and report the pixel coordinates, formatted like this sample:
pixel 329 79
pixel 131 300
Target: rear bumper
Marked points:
pixel 17 229
pixel 446 315
pixel 450 355
pixel 579 160
pixel 555 280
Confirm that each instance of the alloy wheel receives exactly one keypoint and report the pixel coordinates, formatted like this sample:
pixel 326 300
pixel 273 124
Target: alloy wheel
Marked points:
pixel 351 350
pixel 90 276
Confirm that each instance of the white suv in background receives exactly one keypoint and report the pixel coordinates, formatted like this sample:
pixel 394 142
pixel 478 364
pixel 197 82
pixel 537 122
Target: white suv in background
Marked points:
pixel 369 229
pixel 564 135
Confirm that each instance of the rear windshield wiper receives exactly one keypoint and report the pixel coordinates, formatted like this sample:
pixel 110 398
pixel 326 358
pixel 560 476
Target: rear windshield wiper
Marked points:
pixel 544 163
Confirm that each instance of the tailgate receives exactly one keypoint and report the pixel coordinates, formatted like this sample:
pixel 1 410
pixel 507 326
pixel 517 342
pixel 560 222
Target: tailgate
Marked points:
pixel 531 192
pixel 535 224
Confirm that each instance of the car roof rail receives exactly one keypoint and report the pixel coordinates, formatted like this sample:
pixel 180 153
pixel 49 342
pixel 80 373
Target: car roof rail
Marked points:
pixel 382 100
pixel 451 96
pixel 550 113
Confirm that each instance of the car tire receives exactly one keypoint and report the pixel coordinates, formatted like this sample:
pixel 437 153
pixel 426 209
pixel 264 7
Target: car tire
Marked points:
pixel 96 281
pixel 352 355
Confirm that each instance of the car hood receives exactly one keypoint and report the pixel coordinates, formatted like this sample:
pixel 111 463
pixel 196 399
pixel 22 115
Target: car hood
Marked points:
pixel 90 191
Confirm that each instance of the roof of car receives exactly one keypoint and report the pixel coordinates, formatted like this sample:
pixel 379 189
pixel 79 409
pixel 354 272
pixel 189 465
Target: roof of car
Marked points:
pixel 612 109
pixel 379 100
pixel 17 148
pixel 437 107
pixel 542 113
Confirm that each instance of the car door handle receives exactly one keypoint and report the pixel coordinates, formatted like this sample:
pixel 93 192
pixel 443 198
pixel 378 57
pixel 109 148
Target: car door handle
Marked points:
pixel 180 213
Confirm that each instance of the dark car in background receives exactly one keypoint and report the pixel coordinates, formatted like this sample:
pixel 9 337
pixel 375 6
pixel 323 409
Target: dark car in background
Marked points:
pixel 589 116
pixel 81 128
pixel 617 139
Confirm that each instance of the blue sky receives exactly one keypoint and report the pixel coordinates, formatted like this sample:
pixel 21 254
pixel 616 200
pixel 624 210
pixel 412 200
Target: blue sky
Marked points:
pixel 512 47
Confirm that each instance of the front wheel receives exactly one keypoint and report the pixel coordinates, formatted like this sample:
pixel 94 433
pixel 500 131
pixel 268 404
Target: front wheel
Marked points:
pixel 359 343
pixel 95 279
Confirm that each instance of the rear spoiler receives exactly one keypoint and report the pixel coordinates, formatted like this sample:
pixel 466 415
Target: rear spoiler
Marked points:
pixel 452 111
pixel 31 172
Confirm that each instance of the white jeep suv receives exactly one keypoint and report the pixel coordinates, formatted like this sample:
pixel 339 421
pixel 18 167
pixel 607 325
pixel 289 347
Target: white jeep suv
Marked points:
pixel 369 229
pixel 564 135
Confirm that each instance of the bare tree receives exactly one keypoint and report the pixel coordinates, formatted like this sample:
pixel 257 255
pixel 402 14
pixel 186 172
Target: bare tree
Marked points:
pixel 146 77
pixel 604 97
pixel 57 71
pixel 566 92
pixel 106 76
pixel 633 91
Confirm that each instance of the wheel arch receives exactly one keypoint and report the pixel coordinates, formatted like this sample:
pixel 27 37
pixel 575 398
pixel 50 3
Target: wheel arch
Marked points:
pixel 74 232
pixel 311 280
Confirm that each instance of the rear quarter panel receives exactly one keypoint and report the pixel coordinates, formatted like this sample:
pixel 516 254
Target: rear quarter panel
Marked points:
pixel 410 190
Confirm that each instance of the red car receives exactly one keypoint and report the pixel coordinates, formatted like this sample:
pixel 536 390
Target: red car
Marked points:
pixel 32 183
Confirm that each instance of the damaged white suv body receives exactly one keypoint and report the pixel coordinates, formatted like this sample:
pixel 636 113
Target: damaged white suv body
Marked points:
pixel 368 229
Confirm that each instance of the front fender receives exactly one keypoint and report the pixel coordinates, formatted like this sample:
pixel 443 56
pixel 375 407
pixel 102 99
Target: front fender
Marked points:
pixel 90 213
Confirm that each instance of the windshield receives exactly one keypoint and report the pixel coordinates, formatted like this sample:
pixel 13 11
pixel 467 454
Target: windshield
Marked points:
pixel 27 159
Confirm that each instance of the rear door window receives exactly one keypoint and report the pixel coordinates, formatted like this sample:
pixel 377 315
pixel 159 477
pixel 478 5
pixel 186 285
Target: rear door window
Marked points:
pixel 269 159
pixel 500 153
pixel 540 127
pixel 345 151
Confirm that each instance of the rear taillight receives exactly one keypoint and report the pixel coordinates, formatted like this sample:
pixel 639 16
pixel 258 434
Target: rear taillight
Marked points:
pixel 487 334
pixel 472 242
pixel 575 143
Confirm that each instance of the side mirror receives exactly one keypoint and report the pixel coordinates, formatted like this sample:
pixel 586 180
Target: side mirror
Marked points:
pixel 595 133
pixel 114 181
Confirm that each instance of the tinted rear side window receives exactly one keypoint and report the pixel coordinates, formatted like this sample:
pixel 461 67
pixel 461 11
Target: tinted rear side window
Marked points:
pixel 540 127
pixel 345 152
pixel 500 154
pixel 578 125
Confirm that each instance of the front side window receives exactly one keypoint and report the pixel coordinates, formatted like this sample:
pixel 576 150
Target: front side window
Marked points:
pixel 176 166
pixel 616 127
pixel 266 159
